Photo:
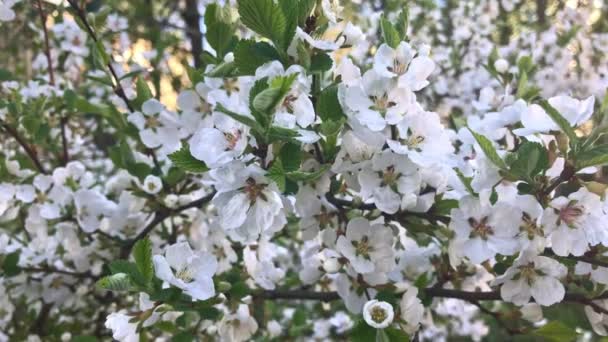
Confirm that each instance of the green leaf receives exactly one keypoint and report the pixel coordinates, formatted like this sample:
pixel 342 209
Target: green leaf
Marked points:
pixel 389 33
pixel 563 124
pixel 241 118
pixel 119 282
pixel 10 265
pixel 142 253
pixel 556 332
pixel 183 336
pixel 267 19
pixel 305 8
pixel 268 99
pixel 129 268
pixel 402 23
pixel 321 62
pixel 307 176
pixel 143 93
pixel 328 106
pixel 291 157
pixel 184 160
pixel 276 173
pixel 290 9
pixel 223 70
pixel 488 150
pixel 276 133
pixel 250 55
pixel 595 156
pixel 220 30
pixel 531 159
pixel 362 332
pixel 396 335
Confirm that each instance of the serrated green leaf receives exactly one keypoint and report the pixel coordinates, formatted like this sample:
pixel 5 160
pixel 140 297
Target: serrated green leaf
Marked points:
pixel 144 93
pixel 328 106
pixel 489 150
pixel 266 18
pixel 249 55
pixel 595 156
pixel 307 176
pixel 563 124
pixel 220 30
pixel 119 282
pixel 556 332
pixel 403 23
pixel 291 157
pixel 305 8
pixel 362 332
pixel 129 268
pixel 267 100
pixel 531 159
pixel 276 173
pixel 184 160
pixel 223 70
pixel 276 133
pixel 389 33
pixel 142 253
pixel 257 128
pixel 10 267
pixel 321 62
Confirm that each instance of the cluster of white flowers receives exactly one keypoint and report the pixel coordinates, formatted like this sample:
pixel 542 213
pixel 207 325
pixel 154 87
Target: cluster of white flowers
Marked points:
pixel 332 169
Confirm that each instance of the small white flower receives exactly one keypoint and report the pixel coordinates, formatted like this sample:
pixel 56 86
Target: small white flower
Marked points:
pixel 533 276
pixel 501 65
pixel 378 314
pixel 412 310
pixel 367 247
pixel 6 10
pixel 152 185
pixel 183 268
pixel 122 328
pixel 238 326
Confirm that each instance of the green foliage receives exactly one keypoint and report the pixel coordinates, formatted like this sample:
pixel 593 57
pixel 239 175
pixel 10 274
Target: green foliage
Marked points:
pixel 123 158
pixel 328 106
pixel 563 124
pixel 276 173
pixel 489 150
pixel 119 282
pixel 556 332
pixel 267 100
pixel 142 253
pixel 389 33
pixel 250 55
pixel 269 20
pixel 362 332
pixel 307 176
pixel 595 156
pixel 530 160
pixel 320 62
pixel 10 265
pixel 184 160
pixel 220 29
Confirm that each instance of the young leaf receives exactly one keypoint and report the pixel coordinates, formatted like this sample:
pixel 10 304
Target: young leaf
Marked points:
pixel 184 160
pixel 129 268
pixel 593 157
pixel 389 33
pixel 268 99
pixel 277 174
pixel 563 124
pixel 328 106
pixel 250 55
pixel 321 62
pixel 307 176
pixel 556 332
pixel 488 150
pixel 402 23
pixel 143 92
pixel 117 282
pixel 220 31
pixel 531 159
pixel 142 253
pixel 268 20
pixel 257 128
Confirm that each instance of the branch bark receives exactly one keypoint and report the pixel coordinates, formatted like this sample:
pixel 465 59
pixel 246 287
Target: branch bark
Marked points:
pixel 193 19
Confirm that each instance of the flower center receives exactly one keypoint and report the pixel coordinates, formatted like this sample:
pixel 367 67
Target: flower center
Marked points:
pixel 254 190
pixel 528 272
pixel 480 228
pixel 362 247
pixel 152 122
pixel 530 227
pixel 185 274
pixel 382 103
pixel 570 214
pixel 389 176
pixel 378 314
pixel 288 102
pixel 232 139
pixel 398 67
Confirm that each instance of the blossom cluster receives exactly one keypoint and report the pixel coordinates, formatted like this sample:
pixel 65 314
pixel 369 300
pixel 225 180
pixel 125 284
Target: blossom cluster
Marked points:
pixel 325 170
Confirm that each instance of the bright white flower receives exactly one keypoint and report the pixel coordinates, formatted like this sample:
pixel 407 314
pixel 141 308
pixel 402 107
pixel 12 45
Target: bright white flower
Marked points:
pixel 532 312
pixel 183 268
pixel 91 208
pixel 332 10
pixel 412 310
pixel 248 204
pixel 501 65
pixel 219 145
pixel 533 276
pixel 598 320
pixel 157 127
pixel 238 326
pixel 393 182
pixel 122 329
pixel 536 120
pixel 576 221
pixel 378 314
pixel 152 185
pixel 369 248
pixel 412 72
pixel 6 10
pixel 485 229
pixel 376 101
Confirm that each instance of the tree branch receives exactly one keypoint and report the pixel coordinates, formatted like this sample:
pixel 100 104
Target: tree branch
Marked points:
pixel 29 150
pixel 193 18
pixel 47 46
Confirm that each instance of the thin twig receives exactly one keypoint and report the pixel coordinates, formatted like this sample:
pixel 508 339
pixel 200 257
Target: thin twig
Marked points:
pixel 47 46
pixel 29 150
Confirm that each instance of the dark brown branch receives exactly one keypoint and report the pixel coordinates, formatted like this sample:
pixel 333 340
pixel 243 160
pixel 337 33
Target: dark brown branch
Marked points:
pixel 50 270
pixel 118 89
pixel 29 150
pixel 567 173
pixel 47 46
pixel 162 215
pixel 193 19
